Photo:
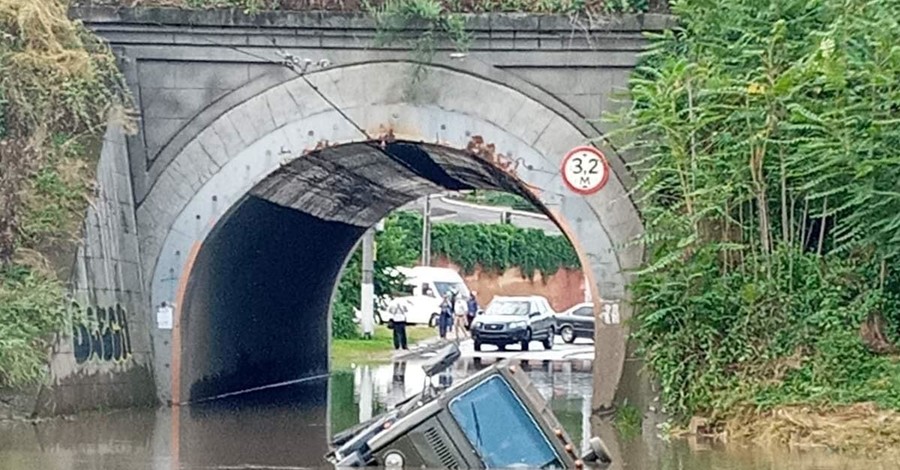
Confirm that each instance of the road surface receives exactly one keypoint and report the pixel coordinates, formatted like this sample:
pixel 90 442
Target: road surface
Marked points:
pixel 581 349
pixel 444 209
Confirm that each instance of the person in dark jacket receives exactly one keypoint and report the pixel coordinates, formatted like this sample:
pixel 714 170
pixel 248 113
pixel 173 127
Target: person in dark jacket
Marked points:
pixel 472 304
pixel 445 321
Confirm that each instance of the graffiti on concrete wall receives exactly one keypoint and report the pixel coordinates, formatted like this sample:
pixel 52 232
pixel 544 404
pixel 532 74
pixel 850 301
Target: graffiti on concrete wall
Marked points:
pixel 101 334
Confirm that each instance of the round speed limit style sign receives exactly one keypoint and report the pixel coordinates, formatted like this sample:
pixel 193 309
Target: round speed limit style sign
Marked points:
pixel 585 170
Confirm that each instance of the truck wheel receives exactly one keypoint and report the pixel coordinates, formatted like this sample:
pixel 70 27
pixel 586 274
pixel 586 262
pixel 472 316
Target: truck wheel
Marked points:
pixel 477 345
pixel 527 341
pixel 568 334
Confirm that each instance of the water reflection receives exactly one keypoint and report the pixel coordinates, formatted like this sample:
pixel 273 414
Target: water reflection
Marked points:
pixel 288 428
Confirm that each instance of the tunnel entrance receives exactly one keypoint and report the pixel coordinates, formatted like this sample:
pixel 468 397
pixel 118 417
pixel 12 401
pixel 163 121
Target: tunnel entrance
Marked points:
pixel 342 148
pixel 486 242
pixel 256 308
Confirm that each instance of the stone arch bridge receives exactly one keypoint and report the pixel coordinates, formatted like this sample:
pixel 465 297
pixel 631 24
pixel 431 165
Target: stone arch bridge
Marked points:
pixel 247 184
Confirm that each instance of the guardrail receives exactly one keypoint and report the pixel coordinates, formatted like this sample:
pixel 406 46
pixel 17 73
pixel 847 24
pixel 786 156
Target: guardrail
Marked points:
pixel 497 209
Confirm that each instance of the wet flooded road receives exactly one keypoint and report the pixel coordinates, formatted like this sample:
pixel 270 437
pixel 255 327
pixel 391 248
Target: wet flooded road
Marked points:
pixel 288 428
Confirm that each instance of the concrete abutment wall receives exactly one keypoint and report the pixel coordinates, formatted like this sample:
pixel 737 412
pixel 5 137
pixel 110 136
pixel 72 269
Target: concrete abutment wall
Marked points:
pixel 106 360
pixel 220 117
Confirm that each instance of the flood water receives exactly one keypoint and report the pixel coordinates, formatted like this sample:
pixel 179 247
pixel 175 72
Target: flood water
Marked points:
pixel 288 428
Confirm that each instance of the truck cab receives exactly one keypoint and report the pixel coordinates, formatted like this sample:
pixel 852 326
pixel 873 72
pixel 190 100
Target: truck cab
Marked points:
pixel 494 419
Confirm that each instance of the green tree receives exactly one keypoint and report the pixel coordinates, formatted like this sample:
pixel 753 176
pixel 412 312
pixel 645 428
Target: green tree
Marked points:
pixel 391 251
pixel 769 182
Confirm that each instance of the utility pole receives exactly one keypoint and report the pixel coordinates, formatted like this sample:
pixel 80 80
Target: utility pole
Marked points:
pixel 367 306
pixel 426 233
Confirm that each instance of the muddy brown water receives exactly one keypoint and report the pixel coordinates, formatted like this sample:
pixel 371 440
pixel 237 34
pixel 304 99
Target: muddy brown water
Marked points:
pixel 288 428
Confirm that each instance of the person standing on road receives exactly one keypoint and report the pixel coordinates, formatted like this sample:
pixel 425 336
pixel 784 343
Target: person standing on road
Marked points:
pixel 472 309
pixel 446 318
pixel 459 318
pixel 398 320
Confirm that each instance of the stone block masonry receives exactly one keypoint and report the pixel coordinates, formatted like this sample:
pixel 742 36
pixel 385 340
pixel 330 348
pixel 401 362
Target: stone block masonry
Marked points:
pixel 220 114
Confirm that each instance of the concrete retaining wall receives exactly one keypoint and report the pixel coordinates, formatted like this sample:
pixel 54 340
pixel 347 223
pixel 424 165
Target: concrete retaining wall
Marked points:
pixel 104 361
pixel 563 289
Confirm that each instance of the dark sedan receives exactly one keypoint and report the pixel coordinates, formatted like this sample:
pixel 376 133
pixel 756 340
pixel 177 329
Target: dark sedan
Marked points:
pixel 576 322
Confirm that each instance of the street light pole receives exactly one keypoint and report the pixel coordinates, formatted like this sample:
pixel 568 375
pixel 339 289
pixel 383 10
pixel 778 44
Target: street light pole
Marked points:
pixel 367 299
pixel 426 233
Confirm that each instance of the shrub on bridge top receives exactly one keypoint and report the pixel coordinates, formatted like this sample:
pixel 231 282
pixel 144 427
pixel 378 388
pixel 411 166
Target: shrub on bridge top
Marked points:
pixel 769 190
pixel 413 8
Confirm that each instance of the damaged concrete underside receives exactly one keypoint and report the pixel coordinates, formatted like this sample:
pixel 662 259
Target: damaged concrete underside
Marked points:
pixel 256 310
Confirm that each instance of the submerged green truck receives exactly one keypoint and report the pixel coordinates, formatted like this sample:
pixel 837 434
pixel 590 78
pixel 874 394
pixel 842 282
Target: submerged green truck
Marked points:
pixel 494 419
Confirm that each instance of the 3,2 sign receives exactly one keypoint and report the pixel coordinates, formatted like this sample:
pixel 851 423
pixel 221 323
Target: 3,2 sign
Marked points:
pixel 585 170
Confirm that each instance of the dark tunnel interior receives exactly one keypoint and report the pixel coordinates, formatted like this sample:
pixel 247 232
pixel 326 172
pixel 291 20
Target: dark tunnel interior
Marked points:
pixel 256 307
pixel 263 279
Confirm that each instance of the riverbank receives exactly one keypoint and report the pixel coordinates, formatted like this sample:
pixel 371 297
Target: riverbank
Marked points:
pixel 861 429
pixel 380 348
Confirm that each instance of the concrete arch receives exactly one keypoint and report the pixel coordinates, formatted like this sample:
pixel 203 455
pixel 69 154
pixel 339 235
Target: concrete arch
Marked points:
pixel 342 106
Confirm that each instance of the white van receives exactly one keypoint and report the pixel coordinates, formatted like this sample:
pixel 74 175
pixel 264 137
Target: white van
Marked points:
pixel 424 288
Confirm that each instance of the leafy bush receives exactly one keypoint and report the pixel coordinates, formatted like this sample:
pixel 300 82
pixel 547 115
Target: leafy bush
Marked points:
pixel 421 8
pixel 769 190
pixel 31 311
pixel 493 247
pixel 391 250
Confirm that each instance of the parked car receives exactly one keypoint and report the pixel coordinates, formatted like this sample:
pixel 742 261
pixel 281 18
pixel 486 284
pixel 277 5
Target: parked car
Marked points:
pixel 509 320
pixel 425 286
pixel 576 322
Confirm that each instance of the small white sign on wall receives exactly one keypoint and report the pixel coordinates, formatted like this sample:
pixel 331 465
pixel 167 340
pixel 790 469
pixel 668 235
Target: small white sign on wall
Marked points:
pixel 164 317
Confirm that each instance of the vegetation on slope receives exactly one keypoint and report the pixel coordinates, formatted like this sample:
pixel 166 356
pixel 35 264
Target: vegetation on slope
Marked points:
pixel 771 195
pixel 57 86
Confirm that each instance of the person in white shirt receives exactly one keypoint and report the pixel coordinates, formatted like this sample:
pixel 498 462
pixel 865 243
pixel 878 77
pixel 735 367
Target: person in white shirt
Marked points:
pixel 398 321
pixel 459 317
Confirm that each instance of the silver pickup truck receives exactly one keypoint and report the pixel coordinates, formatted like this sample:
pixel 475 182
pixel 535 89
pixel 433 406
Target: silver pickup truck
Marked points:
pixel 494 419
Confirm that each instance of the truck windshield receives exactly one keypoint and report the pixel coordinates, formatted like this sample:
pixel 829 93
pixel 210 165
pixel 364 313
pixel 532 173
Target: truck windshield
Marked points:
pixel 499 426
